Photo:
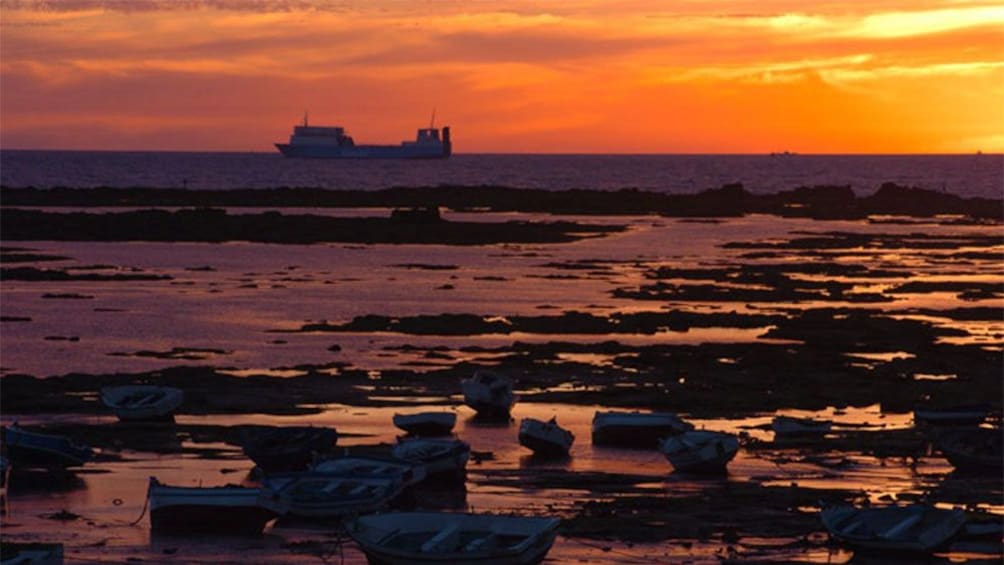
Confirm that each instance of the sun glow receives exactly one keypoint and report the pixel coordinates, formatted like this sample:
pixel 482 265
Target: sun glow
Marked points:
pixel 571 77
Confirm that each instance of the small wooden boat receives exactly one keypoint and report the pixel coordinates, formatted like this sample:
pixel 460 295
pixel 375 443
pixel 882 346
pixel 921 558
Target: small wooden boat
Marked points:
pixel 442 458
pixel 426 423
pixel 700 451
pixel 974 450
pixel 636 429
pixel 404 472
pixel 229 509
pixel 30 449
pixel 142 402
pixel 5 468
pixel 462 539
pixel 15 553
pixel 545 438
pixel 963 415
pixel 317 495
pixel 786 426
pixel 915 528
pixel 288 449
pixel 489 394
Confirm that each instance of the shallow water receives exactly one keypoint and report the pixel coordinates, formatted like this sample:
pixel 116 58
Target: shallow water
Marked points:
pixel 234 306
pixel 110 495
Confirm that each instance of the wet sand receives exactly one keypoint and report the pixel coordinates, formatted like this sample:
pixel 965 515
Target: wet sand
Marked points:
pixel 855 321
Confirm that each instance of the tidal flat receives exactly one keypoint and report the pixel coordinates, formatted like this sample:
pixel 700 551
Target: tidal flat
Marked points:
pixel 727 322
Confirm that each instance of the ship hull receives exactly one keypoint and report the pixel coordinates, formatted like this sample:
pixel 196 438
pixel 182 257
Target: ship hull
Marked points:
pixel 362 152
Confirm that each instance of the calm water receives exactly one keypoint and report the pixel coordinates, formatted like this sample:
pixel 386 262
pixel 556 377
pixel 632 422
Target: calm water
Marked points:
pixel 966 175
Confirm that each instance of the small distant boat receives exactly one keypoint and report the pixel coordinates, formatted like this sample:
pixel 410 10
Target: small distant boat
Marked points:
pixel 636 429
pixel 28 449
pixel 442 458
pixel 700 451
pixel 404 472
pixel 441 537
pixel 545 438
pixel 14 553
pixel 974 450
pixel 426 423
pixel 288 449
pixel 489 393
pixel 317 495
pixel 786 426
pixel 964 415
pixel 142 402
pixel 915 528
pixel 230 509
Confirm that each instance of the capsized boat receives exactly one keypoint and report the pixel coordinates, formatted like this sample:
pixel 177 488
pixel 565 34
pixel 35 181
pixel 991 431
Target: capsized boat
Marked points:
pixel 319 495
pixel 915 528
pixel 786 426
pixel 426 423
pixel 399 538
pixel 30 449
pixel 978 450
pixel 636 429
pixel 142 402
pixel 288 448
pixel 331 142
pixel 545 438
pixel 17 553
pixel 700 451
pixel 489 393
pixel 230 509
pixel 962 415
pixel 442 458
pixel 407 473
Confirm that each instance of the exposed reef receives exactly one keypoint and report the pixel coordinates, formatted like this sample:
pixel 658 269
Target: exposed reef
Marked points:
pixel 821 202
pixel 215 225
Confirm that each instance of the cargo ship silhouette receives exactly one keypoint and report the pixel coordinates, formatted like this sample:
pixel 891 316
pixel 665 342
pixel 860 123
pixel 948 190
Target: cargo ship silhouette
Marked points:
pixel 331 142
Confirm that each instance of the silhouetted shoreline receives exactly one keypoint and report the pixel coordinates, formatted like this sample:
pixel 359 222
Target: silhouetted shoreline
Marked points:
pixel 819 202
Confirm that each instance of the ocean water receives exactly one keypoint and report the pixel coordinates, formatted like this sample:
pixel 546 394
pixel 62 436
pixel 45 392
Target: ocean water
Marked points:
pixel 965 175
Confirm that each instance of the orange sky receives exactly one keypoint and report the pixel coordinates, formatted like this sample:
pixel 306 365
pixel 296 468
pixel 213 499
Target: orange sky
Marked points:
pixel 688 76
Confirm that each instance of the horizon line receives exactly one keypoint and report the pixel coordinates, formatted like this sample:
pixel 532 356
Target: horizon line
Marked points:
pixel 782 153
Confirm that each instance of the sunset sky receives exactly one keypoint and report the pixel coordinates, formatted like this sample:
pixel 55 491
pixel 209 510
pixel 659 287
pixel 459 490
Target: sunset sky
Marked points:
pixel 687 76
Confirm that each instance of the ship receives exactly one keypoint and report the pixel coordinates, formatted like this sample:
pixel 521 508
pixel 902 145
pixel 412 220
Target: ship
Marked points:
pixel 331 142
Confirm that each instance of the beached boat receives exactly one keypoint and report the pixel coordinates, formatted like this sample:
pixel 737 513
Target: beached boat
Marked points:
pixel 636 429
pixel 915 528
pixel 489 393
pixel 288 449
pixel 426 423
pixel 16 553
pixel 331 142
pixel 142 402
pixel 230 509
pixel 317 495
pixel 5 468
pixel 545 438
pixel 974 450
pixel 30 449
pixel 786 426
pixel 405 472
pixel 442 458
pixel 700 451
pixel 963 415
pixel 441 537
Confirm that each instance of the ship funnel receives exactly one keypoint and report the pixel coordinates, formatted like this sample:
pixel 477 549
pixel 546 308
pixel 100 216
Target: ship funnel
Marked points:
pixel 447 144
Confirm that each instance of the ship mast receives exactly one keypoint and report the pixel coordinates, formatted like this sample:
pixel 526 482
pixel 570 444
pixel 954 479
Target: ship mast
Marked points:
pixel 432 122
pixel 304 118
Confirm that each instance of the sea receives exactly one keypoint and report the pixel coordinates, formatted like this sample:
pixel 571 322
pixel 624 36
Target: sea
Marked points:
pixel 970 175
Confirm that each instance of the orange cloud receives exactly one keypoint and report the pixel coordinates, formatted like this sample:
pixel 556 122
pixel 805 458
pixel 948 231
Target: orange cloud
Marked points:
pixel 579 76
